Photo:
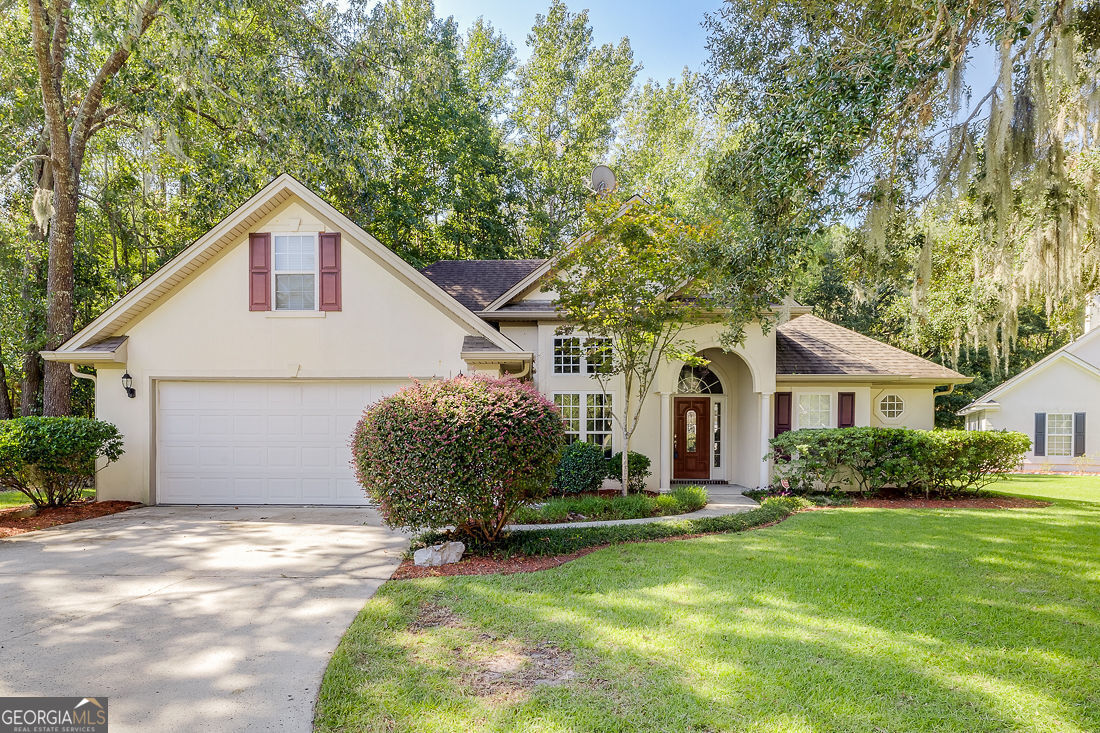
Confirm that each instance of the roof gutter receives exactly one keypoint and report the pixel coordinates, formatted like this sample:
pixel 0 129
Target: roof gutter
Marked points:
pixel 496 356
pixel 978 407
pixel 85 358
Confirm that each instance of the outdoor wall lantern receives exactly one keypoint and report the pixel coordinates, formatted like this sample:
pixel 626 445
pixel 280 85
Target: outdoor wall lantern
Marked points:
pixel 128 385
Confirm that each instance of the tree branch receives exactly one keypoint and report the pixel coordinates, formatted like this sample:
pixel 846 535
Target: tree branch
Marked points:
pixel 85 116
pixel 50 85
pixel 15 168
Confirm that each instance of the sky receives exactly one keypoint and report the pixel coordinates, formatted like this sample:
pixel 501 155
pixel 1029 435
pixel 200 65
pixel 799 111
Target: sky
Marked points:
pixel 665 36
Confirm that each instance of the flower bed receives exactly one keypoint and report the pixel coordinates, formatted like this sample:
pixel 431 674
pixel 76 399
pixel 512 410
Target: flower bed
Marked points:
pixel 567 540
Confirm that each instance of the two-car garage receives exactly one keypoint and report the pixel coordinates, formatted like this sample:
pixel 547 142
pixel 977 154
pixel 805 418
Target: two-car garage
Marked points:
pixel 260 442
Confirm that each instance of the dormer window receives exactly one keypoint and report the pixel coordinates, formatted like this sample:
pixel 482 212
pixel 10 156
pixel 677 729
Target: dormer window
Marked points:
pixel 295 280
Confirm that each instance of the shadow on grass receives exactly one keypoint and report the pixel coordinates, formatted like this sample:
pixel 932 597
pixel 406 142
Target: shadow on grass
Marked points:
pixel 835 620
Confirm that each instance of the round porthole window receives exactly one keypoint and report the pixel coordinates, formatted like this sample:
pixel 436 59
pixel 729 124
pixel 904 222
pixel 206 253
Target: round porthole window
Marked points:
pixel 891 406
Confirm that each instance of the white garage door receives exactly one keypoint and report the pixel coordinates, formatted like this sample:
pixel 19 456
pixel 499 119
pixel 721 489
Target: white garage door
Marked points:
pixel 260 442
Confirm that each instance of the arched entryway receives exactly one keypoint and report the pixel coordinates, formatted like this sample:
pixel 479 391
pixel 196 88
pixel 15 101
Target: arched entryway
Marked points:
pixel 698 448
pixel 711 421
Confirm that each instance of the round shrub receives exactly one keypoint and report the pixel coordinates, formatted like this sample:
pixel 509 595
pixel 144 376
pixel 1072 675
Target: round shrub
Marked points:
pixel 636 463
pixel 464 453
pixel 582 468
pixel 51 459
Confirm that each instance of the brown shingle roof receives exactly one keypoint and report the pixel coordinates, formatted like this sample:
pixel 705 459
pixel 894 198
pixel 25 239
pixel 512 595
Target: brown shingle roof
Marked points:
pixel 813 346
pixel 106 346
pixel 479 343
pixel 477 283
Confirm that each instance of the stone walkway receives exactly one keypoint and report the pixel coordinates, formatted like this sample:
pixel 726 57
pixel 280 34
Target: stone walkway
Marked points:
pixel 724 499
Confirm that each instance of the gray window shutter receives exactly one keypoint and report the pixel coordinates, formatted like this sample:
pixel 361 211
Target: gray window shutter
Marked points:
pixel 1078 433
pixel 1040 433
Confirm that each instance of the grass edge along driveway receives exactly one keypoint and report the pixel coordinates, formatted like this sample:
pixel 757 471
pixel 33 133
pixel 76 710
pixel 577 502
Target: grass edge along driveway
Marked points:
pixel 834 620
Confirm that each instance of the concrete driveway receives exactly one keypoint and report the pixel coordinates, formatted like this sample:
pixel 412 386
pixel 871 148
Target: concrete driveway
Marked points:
pixel 189 618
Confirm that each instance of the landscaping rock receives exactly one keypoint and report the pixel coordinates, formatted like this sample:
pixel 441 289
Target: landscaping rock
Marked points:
pixel 25 513
pixel 442 554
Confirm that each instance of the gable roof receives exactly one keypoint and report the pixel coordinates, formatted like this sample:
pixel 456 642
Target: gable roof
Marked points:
pixel 228 231
pixel 1058 355
pixel 477 283
pixel 540 272
pixel 811 346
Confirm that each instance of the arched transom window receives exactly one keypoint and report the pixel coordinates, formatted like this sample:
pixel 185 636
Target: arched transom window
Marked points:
pixel 698 380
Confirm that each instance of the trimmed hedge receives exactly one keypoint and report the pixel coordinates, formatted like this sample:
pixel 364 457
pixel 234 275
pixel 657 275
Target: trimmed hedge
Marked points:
pixel 582 468
pixel 463 452
pixel 637 464
pixel 51 459
pixel 868 460
pixel 564 541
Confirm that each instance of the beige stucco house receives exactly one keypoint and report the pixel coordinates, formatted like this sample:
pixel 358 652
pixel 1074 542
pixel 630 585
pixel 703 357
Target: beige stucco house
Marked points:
pixel 250 356
pixel 1050 401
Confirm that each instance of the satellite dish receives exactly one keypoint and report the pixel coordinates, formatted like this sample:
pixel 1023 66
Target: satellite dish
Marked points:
pixel 603 180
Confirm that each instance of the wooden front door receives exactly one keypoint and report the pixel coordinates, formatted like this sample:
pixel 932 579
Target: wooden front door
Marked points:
pixel 691 445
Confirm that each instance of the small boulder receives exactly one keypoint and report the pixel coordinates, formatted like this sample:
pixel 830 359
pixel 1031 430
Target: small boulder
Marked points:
pixel 25 513
pixel 441 554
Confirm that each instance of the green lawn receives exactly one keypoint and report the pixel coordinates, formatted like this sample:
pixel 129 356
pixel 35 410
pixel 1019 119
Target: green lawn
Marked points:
pixel 834 620
pixel 1074 488
pixel 8 499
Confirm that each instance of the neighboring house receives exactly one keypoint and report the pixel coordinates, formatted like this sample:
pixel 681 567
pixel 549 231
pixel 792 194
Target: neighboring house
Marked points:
pixel 1051 401
pixel 254 351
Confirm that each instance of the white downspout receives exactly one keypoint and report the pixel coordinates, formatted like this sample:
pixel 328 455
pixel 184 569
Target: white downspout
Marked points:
pixel 81 375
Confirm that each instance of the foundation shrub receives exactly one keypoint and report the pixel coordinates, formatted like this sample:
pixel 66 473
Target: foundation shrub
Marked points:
pixel 52 459
pixel 867 460
pixel 465 452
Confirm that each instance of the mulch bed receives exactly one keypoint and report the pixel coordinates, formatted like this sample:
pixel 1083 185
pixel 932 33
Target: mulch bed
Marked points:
pixel 487 566
pixel 507 566
pixel 970 502
pixel 11 525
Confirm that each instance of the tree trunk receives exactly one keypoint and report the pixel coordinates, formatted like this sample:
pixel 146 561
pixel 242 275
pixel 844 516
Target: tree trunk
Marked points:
pixel 5 397
pixel 626 462
pixel 32 384
pixel 68 138
pixel 57 392
pixel 627 387
pixel 31 388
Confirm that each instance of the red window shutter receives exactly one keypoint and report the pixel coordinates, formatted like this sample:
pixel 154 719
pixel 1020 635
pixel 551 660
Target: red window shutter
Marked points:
pixel 259 271
pixel 329 271
pixel 782 412
pixel 846 409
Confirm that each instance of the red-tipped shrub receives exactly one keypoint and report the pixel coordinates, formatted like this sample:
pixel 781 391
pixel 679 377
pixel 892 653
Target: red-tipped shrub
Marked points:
pixel 464 452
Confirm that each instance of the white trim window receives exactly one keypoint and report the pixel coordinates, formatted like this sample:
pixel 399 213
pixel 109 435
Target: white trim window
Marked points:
pixel 891 406
pixel 815 410
pixel 577 355
pixel 1059 433
pixel 294 276
pixel 587 416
